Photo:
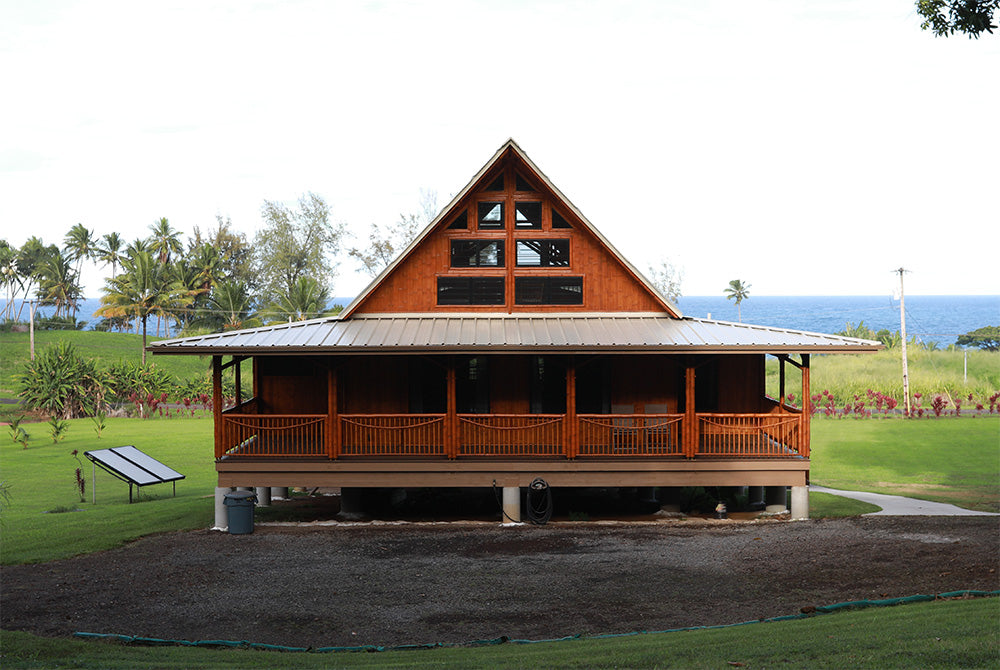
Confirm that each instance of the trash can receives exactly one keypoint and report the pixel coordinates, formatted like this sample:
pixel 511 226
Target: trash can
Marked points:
pixel 240 507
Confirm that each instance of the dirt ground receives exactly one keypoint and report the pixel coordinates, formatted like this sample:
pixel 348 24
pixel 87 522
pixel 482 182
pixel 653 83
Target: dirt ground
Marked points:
pixel 324 585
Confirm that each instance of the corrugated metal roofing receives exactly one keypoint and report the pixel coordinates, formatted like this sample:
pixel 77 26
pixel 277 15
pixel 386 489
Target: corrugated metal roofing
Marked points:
pixel 472 333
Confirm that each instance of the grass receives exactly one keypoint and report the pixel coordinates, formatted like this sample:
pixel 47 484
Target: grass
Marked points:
pixel 941 634
pixel 930 372
pixel 829 506
pixel 41 479
pixel 953 460
pixel 104 348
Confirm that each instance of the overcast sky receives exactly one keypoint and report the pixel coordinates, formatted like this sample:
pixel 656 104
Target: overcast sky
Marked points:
pixel 808 148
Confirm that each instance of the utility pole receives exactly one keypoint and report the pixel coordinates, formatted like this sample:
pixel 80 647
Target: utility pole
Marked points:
pixel 902 332
pixel 31 329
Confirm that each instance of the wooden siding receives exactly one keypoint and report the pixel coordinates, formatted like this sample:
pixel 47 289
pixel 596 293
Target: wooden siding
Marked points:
pixel 608 284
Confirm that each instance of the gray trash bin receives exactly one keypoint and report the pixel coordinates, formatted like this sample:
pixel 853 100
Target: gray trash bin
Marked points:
pixel 240 504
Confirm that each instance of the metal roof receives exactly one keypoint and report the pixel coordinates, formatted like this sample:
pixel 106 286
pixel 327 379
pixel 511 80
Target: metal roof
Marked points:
pixel 512 333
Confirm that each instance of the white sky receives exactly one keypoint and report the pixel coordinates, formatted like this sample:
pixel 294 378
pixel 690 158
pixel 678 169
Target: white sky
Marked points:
pixel 805 148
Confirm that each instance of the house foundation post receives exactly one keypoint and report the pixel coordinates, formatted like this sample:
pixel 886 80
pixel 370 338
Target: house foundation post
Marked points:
pixel 670 499
pixel 511 505
pixel 800 502
pixel 221 511
pixel 755 497
pixel 263 496
pixel 350 503
pixel 776 499
pixel 280 492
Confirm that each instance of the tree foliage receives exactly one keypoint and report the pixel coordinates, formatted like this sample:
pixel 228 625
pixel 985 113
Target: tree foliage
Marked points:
pixel 63 383
pixel 739 292
pixel 385 243
pixel 667 277
pixel 946 17
pixel 295 243
pixel 987 337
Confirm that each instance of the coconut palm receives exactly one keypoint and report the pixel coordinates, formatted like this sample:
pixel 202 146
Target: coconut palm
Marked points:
pixel 57 284
pixel 142 289
pixel 137 245
pixel 231 302
pixel 109 252
pixel 305 299
pixel 739 292
pixel 164 240
pixel 80 244
pixel 30 258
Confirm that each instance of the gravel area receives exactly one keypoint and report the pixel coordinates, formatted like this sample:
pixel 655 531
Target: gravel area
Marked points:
pixel 454 582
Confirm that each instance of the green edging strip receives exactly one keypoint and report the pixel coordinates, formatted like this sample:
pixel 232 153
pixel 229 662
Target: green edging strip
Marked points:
pixel 243 644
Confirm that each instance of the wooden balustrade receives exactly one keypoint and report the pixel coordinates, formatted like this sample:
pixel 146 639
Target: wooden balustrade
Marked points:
pixel 630 434
pixel 510 435
pixel 770 435
pixel 273 435
pixel 748 435
pixel 392 434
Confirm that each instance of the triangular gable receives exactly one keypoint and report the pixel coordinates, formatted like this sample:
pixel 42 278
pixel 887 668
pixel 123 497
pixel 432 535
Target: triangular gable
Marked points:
pixel 533 274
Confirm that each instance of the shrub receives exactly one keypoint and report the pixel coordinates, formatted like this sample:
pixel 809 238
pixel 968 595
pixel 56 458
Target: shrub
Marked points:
pixel 62 383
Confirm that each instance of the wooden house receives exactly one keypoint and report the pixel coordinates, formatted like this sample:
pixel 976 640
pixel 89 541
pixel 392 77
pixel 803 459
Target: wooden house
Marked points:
pixel 511 341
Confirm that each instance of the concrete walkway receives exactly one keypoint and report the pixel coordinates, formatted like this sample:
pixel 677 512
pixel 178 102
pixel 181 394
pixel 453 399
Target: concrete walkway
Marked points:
pixel 900 506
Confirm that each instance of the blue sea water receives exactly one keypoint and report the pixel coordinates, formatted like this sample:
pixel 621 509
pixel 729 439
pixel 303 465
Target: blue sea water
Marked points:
pixel 937 318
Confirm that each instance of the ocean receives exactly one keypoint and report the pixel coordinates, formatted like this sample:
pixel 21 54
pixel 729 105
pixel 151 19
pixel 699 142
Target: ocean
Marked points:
pixel 931 318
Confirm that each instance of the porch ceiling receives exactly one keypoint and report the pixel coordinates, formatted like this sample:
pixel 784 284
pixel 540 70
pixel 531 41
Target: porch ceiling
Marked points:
pixel 520 333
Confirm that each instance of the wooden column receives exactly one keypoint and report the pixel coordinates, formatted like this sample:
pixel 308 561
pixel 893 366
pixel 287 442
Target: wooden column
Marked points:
pixel 690 421
pixel 781 383
pixel 571 433
pixel 806 423
pixel 256 381
pixel 451 420
pixel 217 404
pixel 239 383
pixel 333 436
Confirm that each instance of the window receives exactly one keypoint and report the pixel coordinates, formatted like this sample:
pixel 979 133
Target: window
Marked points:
pixel 548 290
pixel 543 253
pixel 528 215
pixel 470 290
pixel 490 215
pixel 477 253
pixel 558 221
pixel 497 184
pixel 461 221
pixel 521 184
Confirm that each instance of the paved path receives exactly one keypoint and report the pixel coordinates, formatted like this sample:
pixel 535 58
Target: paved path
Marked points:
pixel 900 506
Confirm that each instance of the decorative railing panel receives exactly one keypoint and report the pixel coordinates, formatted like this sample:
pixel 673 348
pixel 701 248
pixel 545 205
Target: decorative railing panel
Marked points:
pixel 392 434
pixel 510 435
pixel 748 435
pixel 630 434
pixel 273 435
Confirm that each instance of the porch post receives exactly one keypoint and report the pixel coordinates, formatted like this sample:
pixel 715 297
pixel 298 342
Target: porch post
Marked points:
pixel 239 385
pixel 571 435
pixel 332 437
pixel 451 420
pixel 217 405
pixel 690 420
pixel 256 381
pixel 806 417
pixel 781 382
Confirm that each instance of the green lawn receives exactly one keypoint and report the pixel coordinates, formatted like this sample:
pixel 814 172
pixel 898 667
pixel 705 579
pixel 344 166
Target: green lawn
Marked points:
pixel 105 348
pixel 946 460
pixel 942 634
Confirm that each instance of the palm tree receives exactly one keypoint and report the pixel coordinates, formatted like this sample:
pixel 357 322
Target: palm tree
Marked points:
pixel 739 292
pixel 109 253
pixel 57 284
pixel 231 301
pixel 206 262
pixel 136 245
pixel 164 240
pixel 30 258
pixel 139 291
pixel 305 299
pixel 81 246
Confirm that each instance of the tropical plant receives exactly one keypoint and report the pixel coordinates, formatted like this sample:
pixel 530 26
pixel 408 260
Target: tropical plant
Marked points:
pixel 79 243
pixel 230 307
pixel 987 338
pixel 57 284
pixel 100 423
pixel 739 292
pixel 110 251
pixel 81 483
pixel 306 299
pixel 58 428
pixel 139 381
pixel 164 241
pixel 14 426
pixel 946 17
pixel 62 383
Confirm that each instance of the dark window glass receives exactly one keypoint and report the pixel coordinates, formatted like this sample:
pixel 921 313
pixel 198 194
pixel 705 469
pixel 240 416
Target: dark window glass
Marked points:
pixel 528 215
pixel 522 184
pixel 472 386
pixel 497 184
pixel 548 290
pixel 491 215
pixel 477 253
pixel 470 291
pixel 558 221
pixel 461 221
pixel 543 253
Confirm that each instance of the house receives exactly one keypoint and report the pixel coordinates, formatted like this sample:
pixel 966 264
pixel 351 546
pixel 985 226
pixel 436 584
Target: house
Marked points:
pixel 511 341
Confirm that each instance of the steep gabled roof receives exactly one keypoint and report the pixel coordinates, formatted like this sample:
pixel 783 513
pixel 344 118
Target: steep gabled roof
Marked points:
pixel 510 146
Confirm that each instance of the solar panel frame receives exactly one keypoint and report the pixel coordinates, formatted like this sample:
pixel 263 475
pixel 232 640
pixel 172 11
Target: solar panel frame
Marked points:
pixel 123 467
pixel 148 463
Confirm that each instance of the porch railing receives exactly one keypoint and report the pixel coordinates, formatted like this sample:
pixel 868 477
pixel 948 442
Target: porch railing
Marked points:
pixel 771 435
pixel 630 434
pixel 510 435
pixel 273 435
pixel 393 434
pixel 748 435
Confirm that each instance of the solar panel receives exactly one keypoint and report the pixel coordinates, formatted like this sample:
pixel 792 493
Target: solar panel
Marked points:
pixel 133 467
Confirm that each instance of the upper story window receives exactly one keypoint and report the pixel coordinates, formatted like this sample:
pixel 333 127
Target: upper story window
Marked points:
pixel 528 215
pixel 548 290
pixel 558 221
pixel 461 222
pixel 490 215
pixel 470 291
pixel 477 253
pixel 543 253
